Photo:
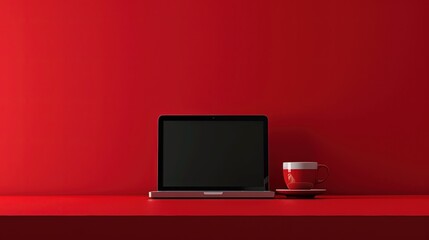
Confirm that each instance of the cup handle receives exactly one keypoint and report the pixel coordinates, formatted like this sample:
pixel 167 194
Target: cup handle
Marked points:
pixel 327 173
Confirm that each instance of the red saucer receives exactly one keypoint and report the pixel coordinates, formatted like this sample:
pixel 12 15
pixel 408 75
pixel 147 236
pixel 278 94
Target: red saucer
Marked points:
pixel 300 193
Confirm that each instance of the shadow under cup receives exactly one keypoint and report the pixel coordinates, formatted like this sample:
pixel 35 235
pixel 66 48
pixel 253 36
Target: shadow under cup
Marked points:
pixel 302 175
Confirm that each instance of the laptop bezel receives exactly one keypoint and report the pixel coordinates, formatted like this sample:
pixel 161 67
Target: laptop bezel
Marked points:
pixel 163 118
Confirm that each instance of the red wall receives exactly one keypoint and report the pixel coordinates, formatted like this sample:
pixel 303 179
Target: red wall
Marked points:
pixel 83 82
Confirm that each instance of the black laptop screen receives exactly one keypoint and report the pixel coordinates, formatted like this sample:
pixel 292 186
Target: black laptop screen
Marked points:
pixel 213 154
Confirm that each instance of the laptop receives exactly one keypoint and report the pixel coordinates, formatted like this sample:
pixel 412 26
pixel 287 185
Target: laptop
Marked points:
pixel 212 157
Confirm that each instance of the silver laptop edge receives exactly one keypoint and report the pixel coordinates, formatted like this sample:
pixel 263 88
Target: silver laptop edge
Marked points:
pixel 211 194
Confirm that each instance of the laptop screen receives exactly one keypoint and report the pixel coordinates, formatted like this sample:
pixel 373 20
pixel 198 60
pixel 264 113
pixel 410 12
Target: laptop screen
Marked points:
pixel 213 153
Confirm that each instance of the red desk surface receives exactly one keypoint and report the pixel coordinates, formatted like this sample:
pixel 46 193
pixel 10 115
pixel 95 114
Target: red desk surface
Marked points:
pixel 397 205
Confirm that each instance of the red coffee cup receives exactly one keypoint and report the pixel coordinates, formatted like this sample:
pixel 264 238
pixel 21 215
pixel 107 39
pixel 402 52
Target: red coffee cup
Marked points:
pixel 303 175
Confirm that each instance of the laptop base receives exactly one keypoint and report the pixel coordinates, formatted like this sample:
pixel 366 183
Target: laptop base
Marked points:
pixel 211 194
